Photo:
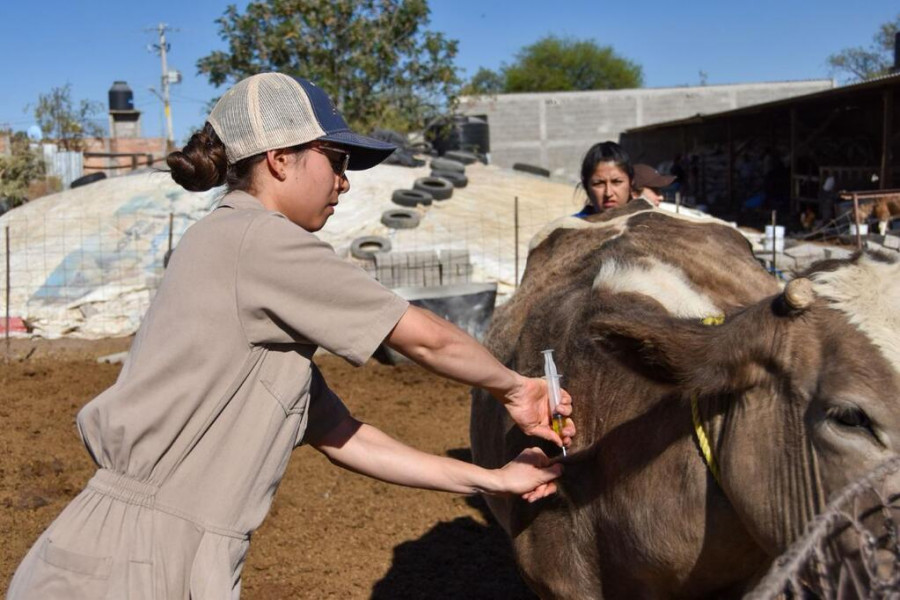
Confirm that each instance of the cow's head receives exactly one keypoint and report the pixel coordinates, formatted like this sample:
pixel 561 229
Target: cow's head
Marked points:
pixel 799 394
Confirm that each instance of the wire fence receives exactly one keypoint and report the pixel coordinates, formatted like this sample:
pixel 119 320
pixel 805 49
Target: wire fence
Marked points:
pixel 92 274
pixel 850 550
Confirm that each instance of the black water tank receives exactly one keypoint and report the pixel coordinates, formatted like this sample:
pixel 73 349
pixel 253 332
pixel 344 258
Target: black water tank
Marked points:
pixel 444 134
pixel 459 133
pixel 474 135
pixel 120 97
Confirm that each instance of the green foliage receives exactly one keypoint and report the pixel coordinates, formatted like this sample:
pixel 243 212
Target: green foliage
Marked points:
pixel 18 170
pixel 375 58
pixel 484 83
pixel 858 64
pixel 553 64
pixel 66 122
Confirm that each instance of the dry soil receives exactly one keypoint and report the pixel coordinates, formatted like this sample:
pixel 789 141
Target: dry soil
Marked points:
pixel 330 534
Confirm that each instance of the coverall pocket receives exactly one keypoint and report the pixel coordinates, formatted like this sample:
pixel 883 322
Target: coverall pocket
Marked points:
pixel 286 376
pixel 61 573
pixel 140 580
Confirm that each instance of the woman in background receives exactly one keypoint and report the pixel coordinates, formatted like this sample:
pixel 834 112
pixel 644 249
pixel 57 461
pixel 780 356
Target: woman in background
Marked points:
pixel 606 176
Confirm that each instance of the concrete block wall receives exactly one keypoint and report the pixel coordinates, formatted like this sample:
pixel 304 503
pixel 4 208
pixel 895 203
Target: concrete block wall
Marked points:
pixel 422 268
pixel 554 129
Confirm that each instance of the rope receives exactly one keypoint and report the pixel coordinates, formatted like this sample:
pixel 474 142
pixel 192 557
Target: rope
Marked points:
pixel 703 441
pixel 699 432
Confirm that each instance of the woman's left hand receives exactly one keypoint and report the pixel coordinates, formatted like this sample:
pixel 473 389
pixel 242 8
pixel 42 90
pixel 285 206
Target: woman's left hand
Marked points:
pixel 528 404
pixel 529 475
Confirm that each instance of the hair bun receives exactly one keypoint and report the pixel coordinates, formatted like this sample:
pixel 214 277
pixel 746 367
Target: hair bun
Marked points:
pixel 201 165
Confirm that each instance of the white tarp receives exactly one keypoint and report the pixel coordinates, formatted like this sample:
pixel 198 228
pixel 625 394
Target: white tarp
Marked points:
pixel 85 262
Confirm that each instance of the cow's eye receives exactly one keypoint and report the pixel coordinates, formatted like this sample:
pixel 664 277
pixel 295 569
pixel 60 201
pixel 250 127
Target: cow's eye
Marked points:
pixel 851 417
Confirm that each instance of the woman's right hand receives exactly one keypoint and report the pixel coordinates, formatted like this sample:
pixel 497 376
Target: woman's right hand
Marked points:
pixel 529 475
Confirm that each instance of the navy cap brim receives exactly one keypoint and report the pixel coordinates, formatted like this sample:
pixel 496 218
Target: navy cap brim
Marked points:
pixel 365 152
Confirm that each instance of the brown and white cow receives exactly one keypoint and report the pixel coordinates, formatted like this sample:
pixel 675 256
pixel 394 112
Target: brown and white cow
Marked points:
pixel 796 391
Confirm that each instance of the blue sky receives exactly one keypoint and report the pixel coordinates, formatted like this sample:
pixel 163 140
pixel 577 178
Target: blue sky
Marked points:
pixel 90 44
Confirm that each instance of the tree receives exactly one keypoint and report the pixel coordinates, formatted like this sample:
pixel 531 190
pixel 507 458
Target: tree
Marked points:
pixel 64 121
pixel 553 64
pixel 484 83
pixel 859 63
pixel 18 169
pixel 373 57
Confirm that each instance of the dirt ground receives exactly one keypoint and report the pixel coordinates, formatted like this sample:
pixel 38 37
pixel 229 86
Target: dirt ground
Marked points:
pixel 330 534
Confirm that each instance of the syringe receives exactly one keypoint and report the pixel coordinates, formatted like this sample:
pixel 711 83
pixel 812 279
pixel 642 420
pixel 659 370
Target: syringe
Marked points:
pixel 553 389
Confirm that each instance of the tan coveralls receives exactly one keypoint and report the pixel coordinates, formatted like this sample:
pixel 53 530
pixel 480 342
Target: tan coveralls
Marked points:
pixel 194 437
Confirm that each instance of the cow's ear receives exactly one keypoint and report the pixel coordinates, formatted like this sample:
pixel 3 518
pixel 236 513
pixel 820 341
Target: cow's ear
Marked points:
pixel 654 344
pixel 697 354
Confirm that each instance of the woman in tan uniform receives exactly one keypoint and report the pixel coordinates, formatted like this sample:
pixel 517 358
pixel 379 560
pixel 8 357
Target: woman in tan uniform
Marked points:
pixel 219 385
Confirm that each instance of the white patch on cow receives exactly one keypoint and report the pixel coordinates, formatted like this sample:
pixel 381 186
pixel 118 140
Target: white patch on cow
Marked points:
pixel 869 294
pixel 661 281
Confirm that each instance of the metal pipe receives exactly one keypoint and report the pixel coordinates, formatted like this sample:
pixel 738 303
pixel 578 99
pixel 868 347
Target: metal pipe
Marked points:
pixel 516 237
pixel 856 220
pixel 7 293
pixel 774 240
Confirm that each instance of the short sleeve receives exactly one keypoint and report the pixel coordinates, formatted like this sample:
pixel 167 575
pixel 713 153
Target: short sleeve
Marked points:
pixel 326 409
pixel 292 287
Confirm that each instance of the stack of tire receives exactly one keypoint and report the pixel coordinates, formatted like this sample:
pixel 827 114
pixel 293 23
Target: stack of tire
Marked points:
pixel 447 172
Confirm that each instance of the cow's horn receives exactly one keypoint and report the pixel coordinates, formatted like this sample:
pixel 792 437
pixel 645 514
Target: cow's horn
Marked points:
pixel 799 293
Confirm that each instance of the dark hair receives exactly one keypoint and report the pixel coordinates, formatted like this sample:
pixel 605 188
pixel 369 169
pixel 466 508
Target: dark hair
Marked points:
pixel 605 152
pixel 202 164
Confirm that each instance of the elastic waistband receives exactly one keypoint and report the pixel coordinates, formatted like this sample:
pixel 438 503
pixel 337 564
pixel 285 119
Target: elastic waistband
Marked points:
pixel 124 488
pixel 130 490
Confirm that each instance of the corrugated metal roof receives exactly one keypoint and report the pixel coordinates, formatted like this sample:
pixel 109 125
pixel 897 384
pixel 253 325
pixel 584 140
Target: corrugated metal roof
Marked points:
pixel 889 80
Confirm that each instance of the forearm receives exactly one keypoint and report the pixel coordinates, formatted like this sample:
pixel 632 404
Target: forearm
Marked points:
pixel 367 450
pixel 445 349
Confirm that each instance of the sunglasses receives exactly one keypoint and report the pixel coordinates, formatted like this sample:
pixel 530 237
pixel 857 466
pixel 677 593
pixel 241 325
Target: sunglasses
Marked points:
pixel 338 157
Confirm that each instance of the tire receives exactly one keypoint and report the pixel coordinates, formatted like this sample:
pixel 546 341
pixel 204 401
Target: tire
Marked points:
pixel 367 246
pixel 457 179
pixel 400 218
pixel 86 179
pixel 422 147
pixel 390 136
pixel 445 164
pixel 411 198
pixel 466 158
pixel 440 189
pixel 534 170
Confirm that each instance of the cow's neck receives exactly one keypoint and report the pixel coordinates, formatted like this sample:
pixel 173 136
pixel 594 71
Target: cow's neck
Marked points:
pixel 767 468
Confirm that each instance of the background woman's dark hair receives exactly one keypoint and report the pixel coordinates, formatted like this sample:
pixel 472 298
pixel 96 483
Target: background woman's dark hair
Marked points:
pixel 605 152
pixel 202 164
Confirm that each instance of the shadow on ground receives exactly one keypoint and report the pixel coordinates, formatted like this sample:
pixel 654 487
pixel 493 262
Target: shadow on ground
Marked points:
pixel 455 560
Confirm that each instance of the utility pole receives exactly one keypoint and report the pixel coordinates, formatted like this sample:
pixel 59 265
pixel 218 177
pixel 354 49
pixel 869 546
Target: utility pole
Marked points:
pixel 5 131
pixel 167 78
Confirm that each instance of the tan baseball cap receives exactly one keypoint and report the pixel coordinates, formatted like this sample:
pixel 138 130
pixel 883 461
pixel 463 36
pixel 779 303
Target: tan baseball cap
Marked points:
pixel 272 110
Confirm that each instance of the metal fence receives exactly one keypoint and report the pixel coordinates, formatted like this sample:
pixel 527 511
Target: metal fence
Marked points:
pixel 66 166
pixel 76 273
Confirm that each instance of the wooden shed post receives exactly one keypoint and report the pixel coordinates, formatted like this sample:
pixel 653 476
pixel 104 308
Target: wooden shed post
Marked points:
pixel 729 176
pixel 886 127
pixel 793 195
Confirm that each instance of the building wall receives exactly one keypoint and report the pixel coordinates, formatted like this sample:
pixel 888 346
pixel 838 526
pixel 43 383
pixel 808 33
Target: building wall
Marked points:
pixel 554 129
pixel 155 147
